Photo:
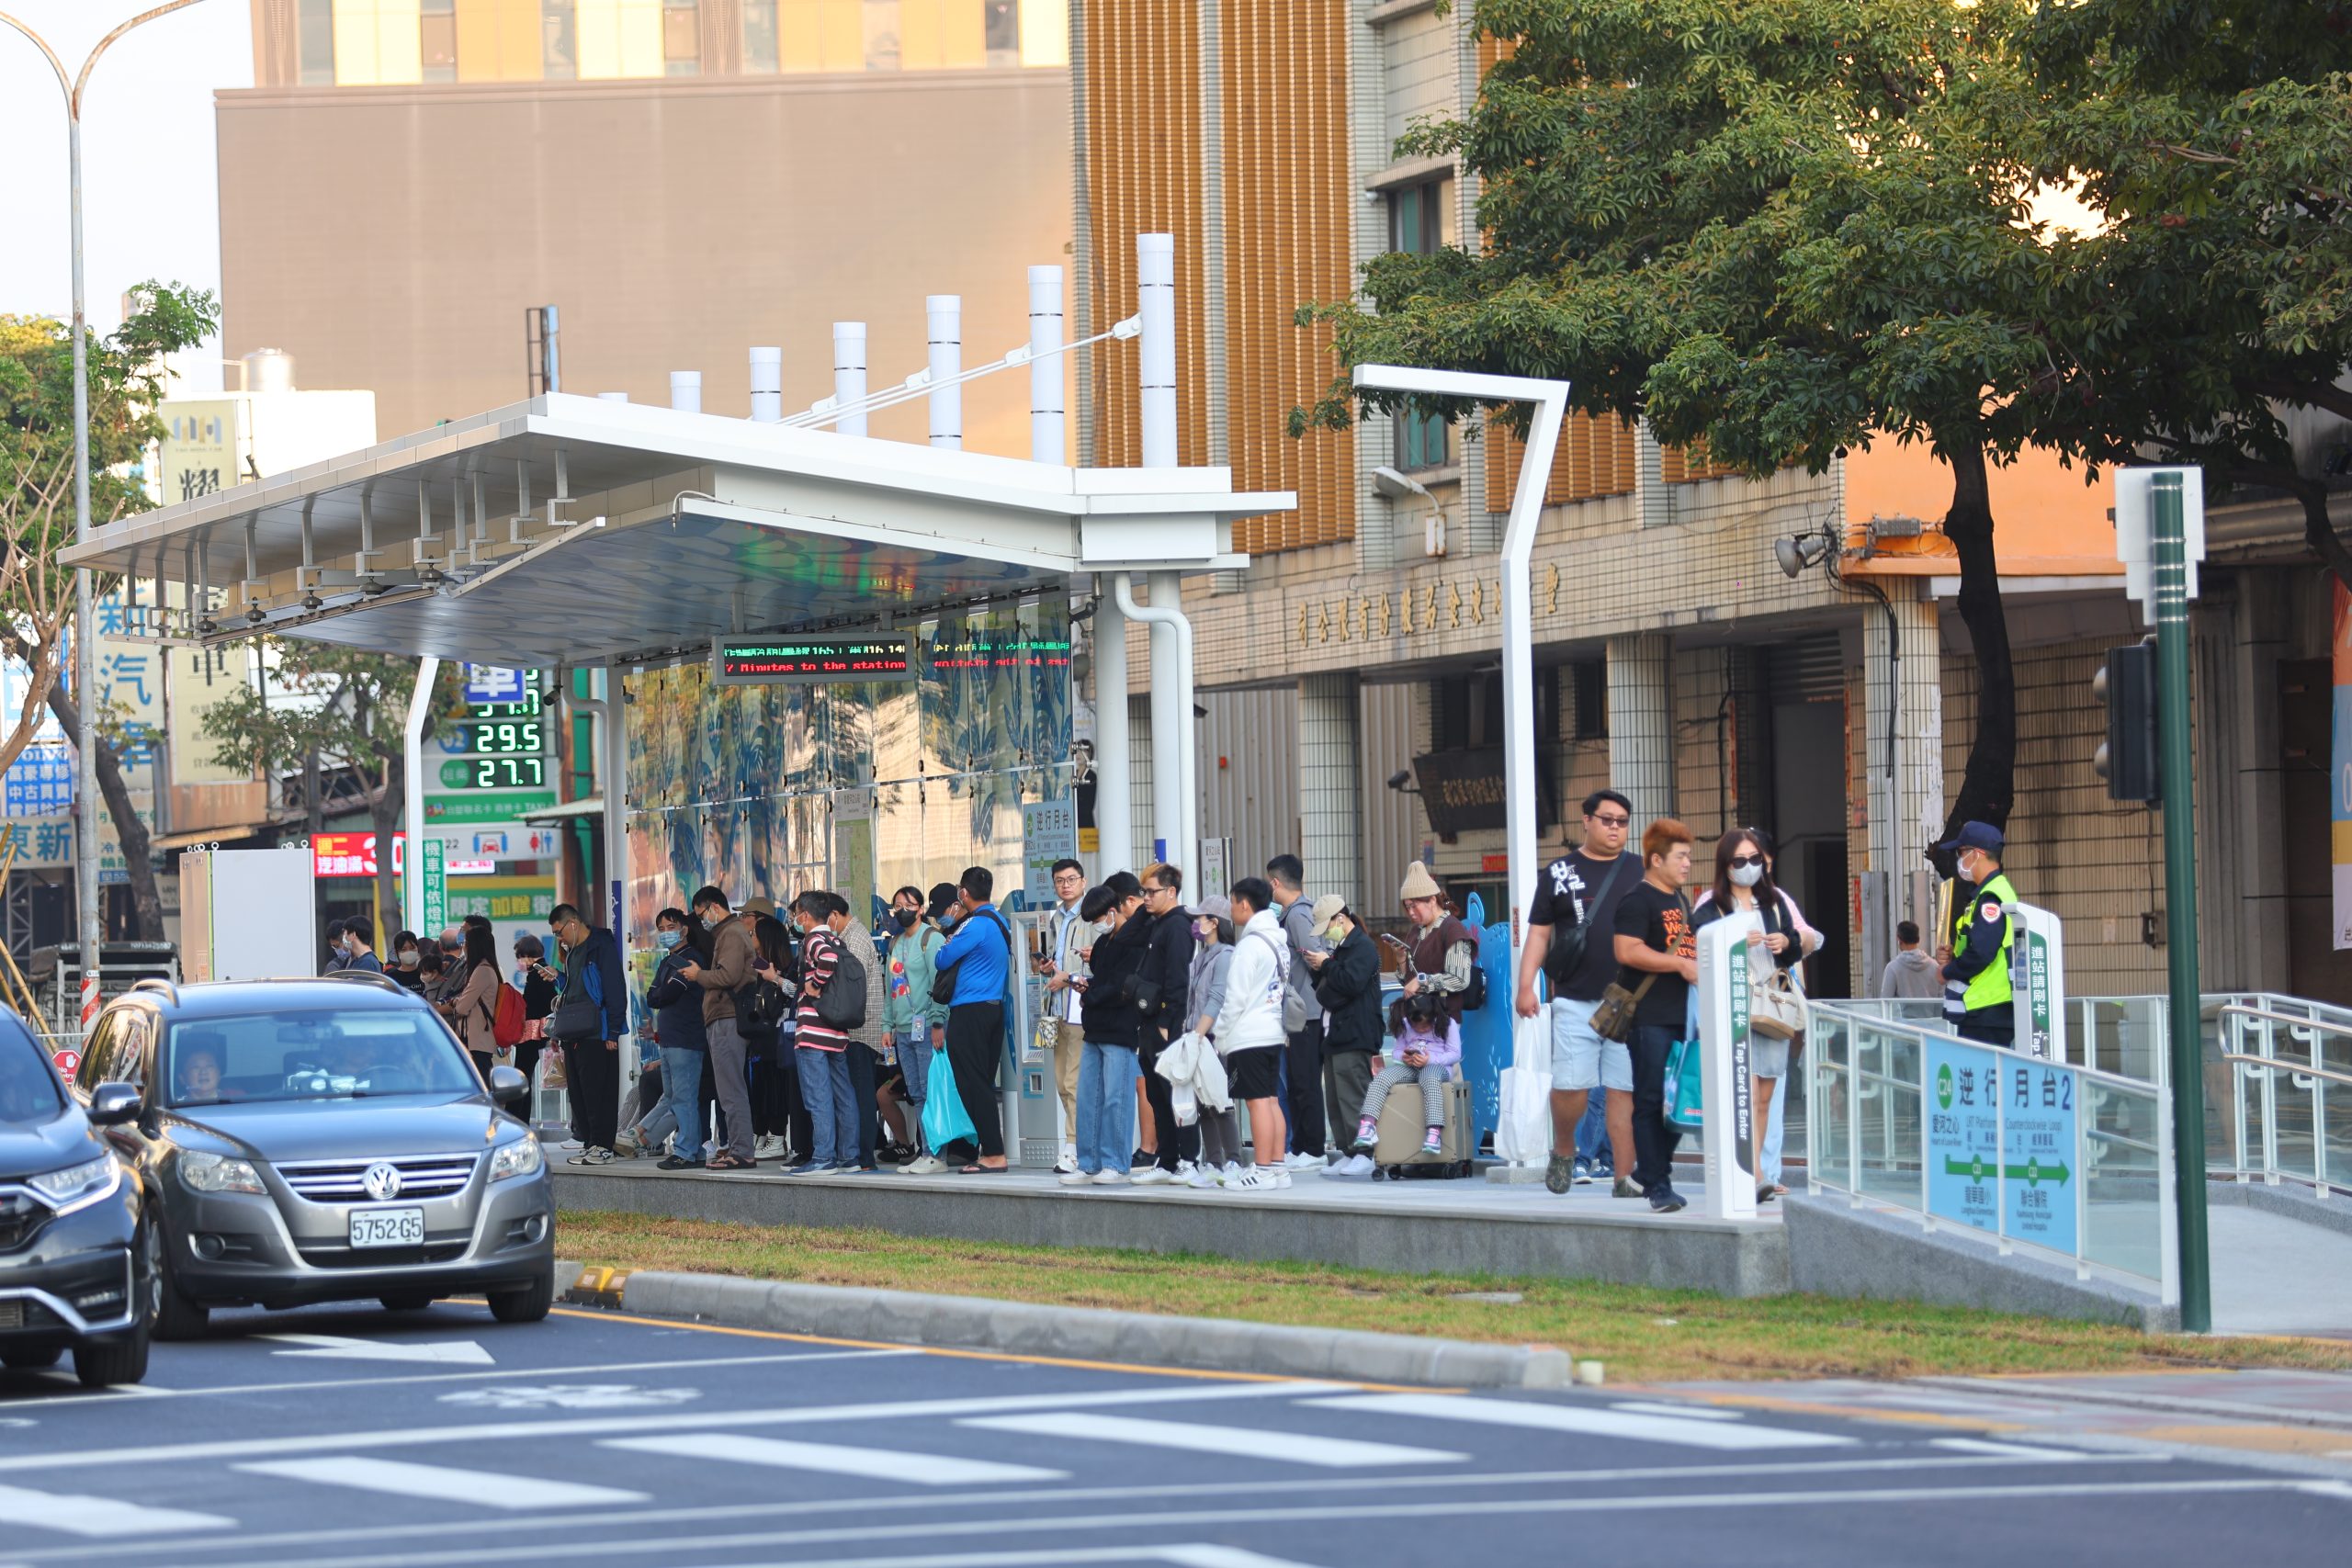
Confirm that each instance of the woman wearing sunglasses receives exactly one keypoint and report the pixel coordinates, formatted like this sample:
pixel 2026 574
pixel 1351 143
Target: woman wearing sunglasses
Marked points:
pixel 1744 886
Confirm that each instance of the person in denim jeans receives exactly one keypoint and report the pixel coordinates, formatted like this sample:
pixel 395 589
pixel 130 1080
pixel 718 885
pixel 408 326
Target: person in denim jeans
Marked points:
pixel 676 1002
pixel 1657 947
pixel 821 1050
pixel 1112 1021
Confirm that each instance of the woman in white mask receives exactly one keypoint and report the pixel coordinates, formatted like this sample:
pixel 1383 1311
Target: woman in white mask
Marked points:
pixel 1744 886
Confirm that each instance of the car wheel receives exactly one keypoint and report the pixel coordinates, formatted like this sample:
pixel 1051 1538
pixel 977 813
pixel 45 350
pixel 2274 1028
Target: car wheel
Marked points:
pixel 32 1360
pixel 172 1315
pixel 103 1366
pixel 406 1301
pixel 528 1305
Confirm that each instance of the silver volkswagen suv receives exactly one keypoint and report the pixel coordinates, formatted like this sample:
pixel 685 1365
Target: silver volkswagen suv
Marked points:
pixel 303 1141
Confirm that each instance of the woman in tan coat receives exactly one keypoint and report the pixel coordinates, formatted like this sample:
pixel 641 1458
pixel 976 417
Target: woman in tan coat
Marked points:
pixel 472 1007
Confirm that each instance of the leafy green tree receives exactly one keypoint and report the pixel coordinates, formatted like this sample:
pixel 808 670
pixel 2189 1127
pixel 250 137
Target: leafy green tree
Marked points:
pixel 339 705
pixel 1790 227
pixel 37 511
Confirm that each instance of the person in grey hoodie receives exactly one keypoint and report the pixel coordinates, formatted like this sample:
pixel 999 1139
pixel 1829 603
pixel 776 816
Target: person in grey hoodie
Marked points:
pixel 1910 972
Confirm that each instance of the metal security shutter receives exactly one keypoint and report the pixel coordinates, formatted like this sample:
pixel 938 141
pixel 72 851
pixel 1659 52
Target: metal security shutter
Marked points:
pixel 1806 670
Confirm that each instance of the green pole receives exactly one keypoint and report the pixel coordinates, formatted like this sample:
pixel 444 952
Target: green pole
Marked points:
pixel 2169 548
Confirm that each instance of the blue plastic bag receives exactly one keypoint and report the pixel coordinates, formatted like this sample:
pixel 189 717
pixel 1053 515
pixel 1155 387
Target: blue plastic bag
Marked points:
pixel 945 1120
pixel 1686 1106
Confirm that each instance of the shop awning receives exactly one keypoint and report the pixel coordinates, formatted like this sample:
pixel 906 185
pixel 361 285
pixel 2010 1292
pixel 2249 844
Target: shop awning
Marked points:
pixel 572 530
pixel 591 807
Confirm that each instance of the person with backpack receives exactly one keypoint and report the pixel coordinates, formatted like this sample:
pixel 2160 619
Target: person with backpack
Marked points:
pixel 678 1029
pixel 832 1003
pixel 591 1015
pixel 1347 987
pixel 472 1010
pixel 1571 932
pixel 733 955
pixel 1112 1017
pixel 972 971
pixel 869 1037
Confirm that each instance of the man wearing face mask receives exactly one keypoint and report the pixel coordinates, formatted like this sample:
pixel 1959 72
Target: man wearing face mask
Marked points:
pixel 1977 967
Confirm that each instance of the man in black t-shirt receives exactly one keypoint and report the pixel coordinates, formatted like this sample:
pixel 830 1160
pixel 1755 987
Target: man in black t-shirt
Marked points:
pixel 1657 946
pixel 1571 927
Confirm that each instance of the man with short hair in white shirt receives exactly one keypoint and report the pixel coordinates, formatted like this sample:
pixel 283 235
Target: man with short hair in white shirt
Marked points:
pixel 1069 941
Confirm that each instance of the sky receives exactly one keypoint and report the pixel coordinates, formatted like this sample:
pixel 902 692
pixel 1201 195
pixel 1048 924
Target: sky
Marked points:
pixel 151 200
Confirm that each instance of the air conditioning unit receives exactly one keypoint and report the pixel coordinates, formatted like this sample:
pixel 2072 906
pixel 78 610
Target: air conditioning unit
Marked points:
pixel 1433 535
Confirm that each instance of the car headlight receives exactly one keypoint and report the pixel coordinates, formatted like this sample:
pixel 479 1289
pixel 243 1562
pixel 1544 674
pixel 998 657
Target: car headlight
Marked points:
pixel 218 1173
pixel 78 1186
pixel 521 1157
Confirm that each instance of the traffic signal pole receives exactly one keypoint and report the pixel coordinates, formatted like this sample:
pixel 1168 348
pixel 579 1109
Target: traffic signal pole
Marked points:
pixel 2169 549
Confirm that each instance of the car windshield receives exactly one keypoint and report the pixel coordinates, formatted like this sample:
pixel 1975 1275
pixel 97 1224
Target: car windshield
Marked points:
pixel 312 1054
pixel 29 1090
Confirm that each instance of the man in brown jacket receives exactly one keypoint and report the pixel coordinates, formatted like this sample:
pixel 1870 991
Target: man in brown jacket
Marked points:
pixel 733 956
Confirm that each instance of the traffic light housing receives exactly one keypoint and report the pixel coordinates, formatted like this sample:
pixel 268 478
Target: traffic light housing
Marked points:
pixel 2127 685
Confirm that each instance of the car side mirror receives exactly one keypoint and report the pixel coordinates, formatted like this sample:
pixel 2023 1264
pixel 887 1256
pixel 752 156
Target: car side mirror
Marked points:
pixel 508 1087
pixel 112 1104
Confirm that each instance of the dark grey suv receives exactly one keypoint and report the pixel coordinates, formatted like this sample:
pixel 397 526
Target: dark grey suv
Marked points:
pixel 303 1141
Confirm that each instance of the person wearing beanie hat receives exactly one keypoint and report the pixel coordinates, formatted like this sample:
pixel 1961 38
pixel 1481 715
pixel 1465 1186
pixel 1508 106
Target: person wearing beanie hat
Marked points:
pixel 1444 951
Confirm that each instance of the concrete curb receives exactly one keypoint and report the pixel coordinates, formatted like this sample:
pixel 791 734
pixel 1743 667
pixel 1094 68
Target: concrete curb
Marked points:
pixel 1072 1333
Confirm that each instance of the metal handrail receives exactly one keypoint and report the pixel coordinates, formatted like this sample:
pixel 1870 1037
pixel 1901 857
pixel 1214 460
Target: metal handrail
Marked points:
pixel 2272 1064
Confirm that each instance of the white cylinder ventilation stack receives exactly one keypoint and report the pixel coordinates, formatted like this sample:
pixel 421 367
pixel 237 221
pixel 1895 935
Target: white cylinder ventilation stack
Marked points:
pixel 944 313
pixel 849 376
pixel 1156 299
pixel 685 390
pixel 767 385
pixel 269 370
pixel 1048 440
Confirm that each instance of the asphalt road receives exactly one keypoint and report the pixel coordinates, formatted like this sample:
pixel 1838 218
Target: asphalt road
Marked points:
pixel 349 1439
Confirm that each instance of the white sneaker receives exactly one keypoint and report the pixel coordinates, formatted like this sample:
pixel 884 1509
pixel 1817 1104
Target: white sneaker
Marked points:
pixel 1281 1177
pixel 769 1148
pixel 1154 1176
pixel 1252 1179
pixel 1068 1164
pixel 1077 1179
pixel 1204 1178
pixel 1111 1178
pixel 923 1165
pixel 1354 1168
pixel 1229 1173
pixel 570 1144
pixel 1301 1162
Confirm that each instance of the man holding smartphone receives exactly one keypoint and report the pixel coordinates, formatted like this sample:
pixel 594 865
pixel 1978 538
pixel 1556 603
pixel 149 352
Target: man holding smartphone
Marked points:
pixel 1069 939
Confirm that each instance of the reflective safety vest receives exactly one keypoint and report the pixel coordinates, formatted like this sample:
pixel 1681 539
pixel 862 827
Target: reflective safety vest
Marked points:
pixel 1991 986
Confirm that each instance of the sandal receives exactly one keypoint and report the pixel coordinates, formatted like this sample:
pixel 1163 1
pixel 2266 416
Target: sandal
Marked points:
pixel 976 1170
pixel 728 1162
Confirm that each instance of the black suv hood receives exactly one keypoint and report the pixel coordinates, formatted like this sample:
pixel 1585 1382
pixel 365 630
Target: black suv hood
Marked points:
pixel 283 1130
pixel 28 1148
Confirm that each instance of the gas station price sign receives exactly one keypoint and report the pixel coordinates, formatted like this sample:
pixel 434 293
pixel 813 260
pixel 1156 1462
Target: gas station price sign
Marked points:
pixel 815 660
pixel 503 736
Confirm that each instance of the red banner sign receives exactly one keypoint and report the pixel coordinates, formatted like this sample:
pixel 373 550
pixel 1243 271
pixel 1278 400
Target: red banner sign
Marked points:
pixel 353 854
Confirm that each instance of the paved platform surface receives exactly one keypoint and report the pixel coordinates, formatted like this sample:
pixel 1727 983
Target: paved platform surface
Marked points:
pixel 1469 1226
pixel 344 1439
pixel 2275 1274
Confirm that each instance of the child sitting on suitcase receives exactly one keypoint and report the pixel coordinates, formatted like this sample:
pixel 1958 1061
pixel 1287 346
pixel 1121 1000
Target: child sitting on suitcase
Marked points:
pixel 1428 1044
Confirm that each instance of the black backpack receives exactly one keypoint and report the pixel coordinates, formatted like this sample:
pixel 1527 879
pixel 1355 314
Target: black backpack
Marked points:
pixel 842 1003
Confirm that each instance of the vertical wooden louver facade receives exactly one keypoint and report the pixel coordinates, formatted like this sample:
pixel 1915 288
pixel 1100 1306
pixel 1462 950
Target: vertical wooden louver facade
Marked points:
pixel 1595 460
pixel 1284 239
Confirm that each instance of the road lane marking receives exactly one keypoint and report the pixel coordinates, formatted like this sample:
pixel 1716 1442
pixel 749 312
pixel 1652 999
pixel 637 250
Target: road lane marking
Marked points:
pixel 877 1523
pixel 1330 1453
pixel 631 1424
pixel 908 1502
pixel 1685 1412
pixel 77 1514
pixel 686 1364
pixel 441 1484
pixel 2012 1450
pixel 443 1352
pixel 1586 1420
pixel 881 1464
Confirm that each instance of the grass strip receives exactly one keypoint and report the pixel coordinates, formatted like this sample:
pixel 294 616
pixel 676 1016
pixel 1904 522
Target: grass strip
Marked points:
pixel 1642 1335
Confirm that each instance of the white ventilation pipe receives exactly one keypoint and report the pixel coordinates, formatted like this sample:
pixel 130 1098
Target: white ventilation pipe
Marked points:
pixel 612 397
pixel 849 376
pixel 767 385
pixel 1048 440
pixel 1175 763
pixel 685 390
pixel 1115 828
pixel 944 314
pixel 1156 302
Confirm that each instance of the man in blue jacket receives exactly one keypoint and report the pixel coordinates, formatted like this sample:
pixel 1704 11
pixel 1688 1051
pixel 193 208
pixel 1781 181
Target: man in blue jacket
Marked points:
pixel 591 1015
pixel 981 955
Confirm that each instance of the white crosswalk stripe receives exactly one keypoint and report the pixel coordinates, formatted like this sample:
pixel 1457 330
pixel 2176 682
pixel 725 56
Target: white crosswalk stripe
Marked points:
pixel 1585 1420
pixel 76 1514
pixel 443 1484
pixel 1239 1442
pixel 834 1458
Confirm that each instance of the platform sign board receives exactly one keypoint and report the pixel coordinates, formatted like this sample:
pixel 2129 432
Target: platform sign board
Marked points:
pixel 1729 1138
pixel 2039 1105
pixel 2037 981
pixel 1964 1133
pixel 494 683
pixel 816 658
pixel 1048 834
pixel 433 855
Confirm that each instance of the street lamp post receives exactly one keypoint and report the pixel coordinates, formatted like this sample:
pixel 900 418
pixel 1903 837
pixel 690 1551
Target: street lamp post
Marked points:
pixel 86 802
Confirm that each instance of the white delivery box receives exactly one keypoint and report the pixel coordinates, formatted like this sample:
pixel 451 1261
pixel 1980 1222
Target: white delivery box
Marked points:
pixel 247 915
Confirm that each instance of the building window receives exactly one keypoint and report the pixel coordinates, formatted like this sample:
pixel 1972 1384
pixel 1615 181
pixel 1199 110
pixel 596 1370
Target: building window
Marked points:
pixel 1591 690
pixel 881 19
pixel 759 36
pixel 559 41
pixel 1423 441
pixel 1420 217
pixel 437 39
pixel 1466 711
pixel 1002 20
pixel 315 42
pixel 682 37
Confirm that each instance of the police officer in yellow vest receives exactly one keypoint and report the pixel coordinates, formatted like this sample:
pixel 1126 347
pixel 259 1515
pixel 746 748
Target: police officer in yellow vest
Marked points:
pixel 1976 971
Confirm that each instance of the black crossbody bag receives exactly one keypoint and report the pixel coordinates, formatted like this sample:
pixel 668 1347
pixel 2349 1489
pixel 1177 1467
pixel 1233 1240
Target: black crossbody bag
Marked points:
pixel 1566 954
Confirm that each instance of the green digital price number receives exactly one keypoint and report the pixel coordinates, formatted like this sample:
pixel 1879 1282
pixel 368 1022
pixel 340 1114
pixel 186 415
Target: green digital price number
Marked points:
pixel 494 772
pixel 504 737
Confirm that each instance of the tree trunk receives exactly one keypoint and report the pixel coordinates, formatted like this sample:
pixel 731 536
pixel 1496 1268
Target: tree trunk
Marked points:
pixel 385 812
pixel 1988 788
pixel 314 816
pixel 2319 530
pixel 146 899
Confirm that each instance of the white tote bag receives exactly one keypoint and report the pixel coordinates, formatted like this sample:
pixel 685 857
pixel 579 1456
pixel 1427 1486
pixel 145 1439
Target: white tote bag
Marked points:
pixel 1523 1129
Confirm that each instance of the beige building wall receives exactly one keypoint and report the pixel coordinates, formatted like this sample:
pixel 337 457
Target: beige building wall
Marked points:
pixel 391 238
